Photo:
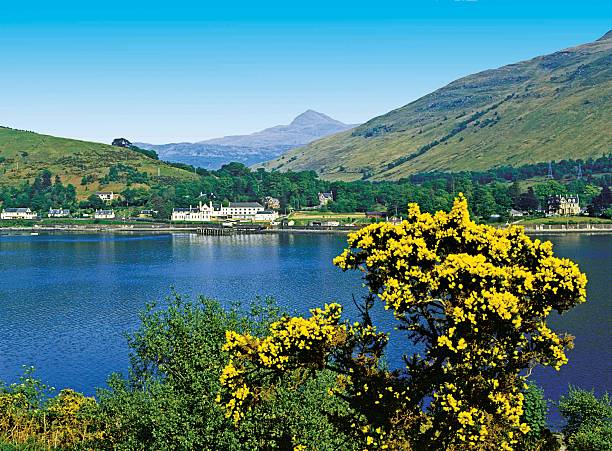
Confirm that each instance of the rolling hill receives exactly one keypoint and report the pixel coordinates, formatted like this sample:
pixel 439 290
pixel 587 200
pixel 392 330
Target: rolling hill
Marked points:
pixel 24 154
pixel 254 148
pixel 552 107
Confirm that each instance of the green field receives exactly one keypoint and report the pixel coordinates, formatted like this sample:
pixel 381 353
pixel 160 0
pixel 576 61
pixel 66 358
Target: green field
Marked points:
pixel 305 217
pixel 568 220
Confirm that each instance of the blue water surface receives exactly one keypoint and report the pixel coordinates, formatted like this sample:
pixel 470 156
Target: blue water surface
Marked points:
pixel 66 300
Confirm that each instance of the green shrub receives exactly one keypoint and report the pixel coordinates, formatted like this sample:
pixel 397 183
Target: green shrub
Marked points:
pixel 168 400
pixel 588 420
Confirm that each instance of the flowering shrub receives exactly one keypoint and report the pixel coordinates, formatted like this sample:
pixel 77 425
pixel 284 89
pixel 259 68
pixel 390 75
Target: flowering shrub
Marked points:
pixel 475 298
pixel 29 416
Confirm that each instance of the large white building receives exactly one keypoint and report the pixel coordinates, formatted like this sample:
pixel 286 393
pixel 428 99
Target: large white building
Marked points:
pixel 201 213
pixel 241 210
pixel 18 213
pixel 253 211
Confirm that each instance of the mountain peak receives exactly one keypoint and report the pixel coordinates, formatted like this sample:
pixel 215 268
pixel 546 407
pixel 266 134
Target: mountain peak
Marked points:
pixel 312 117
pixel 606 36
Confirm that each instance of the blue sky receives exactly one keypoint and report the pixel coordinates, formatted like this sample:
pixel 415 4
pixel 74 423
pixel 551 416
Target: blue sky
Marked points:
pixel 190 70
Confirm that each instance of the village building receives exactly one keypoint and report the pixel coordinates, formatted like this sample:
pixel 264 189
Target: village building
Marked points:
pixel 18 213
pixel 325 224
pixel 106 196
pixel 201 213
pixel 266 215
pixel 515 213
pixel 104 214
pixel 563 205
pixel 325 198
pixel 147 213
pixel 271 203
pixel 240 210
pixel 253 211
pixel 58 213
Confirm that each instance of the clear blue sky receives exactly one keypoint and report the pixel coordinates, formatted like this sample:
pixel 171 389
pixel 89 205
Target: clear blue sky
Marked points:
pixel 182 70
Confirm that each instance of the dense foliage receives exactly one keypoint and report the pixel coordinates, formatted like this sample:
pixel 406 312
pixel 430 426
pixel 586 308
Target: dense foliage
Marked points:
pixel 43 193
pixel 588 420
pixel 476 300
pixel 489 193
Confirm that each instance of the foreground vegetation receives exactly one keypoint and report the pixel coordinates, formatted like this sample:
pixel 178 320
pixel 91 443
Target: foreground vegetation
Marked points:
pixel 474 299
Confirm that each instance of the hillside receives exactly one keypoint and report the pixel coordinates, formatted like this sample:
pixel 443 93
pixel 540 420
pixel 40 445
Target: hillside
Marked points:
pixel 24 154
pixel 253 148
pixel 551 107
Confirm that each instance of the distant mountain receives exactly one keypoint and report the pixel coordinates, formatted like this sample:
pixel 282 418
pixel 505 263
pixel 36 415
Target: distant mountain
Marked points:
pixel 254 148
pixel 552 107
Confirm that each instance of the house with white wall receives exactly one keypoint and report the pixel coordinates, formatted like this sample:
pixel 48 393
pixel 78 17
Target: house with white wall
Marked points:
pixel 18 213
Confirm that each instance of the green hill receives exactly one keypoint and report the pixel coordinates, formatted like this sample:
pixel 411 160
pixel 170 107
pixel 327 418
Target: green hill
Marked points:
pixel 23 155
pixel 552 107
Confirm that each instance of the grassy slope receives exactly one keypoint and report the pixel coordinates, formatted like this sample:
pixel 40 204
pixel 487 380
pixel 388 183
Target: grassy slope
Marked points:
pixel 27 153
pixel 560 108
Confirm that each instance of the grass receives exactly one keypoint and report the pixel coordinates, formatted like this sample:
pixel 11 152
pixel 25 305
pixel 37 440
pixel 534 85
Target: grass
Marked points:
pixel 305 217
pixel 564 220
pixel 25 154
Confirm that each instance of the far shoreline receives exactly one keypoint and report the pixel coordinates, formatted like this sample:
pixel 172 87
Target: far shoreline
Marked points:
pixel 158 228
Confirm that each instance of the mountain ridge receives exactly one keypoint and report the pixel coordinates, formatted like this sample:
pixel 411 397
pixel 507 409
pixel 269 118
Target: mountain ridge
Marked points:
pixel 255 147
pixel 549 107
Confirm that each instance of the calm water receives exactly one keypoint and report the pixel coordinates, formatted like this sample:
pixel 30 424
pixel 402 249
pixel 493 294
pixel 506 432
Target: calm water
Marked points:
pixel 65 300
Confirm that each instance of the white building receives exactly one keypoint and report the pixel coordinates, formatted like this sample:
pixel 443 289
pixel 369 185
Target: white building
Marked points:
pixel 325 224
pixel 564 205
pixel 266 215
pixel 104 214
pixel 58 213
pixel 106 196
pixel 253 211
pixel 201 213
pixel 325 198
pixel 240 210
pixel 17 213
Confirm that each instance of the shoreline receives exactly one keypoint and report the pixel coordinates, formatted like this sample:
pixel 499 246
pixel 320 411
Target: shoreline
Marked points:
pixel 540 229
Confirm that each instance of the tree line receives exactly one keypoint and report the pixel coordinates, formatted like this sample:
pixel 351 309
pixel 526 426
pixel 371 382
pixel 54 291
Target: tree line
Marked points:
pixel 490 192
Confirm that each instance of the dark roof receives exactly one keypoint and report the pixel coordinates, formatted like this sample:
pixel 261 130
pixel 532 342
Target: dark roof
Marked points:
pixel 59 210
pixel 17 210
pixel 245 205
pixel 567 198
pixel 104 212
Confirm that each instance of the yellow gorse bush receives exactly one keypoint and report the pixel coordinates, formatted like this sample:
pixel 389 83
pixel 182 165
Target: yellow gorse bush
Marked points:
pixel 476 298
pixel 67 420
